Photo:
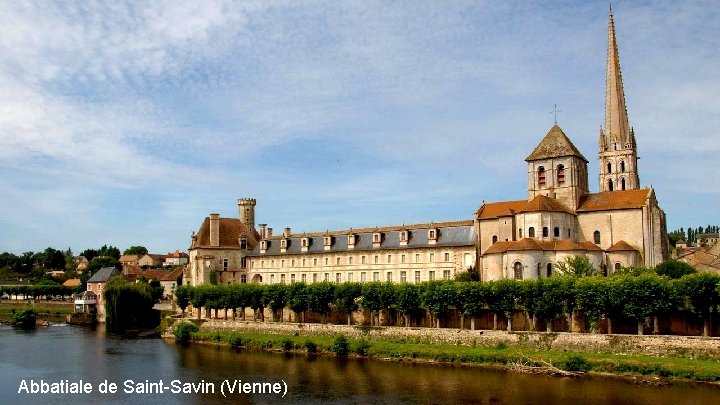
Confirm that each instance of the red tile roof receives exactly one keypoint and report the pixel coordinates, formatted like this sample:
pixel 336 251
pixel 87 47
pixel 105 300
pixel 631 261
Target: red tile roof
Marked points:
pixel 621 246
pixel 529 244
pixel 500 209
pixel 614 200
pixel 230 231
pixel 542 203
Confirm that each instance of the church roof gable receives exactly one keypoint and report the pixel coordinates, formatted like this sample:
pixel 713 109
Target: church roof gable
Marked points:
pixel 614 200
pixel 500 209
pixel 542 203
pixel 555 144
pixel 621 246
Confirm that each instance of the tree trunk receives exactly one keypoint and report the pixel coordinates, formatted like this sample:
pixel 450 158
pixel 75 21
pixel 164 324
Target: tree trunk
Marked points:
pixel 706 327
pixel 407 320
pixel 640 327
pixel 199 313
pixel 216 316
pixel 437 322
pixel 548 325
pixel 234 314
pixel 609 322
pixel 462 321
pixel 533 319
pixel 226 313
pixel 243 313
pixel 509 322
pixel 348 317
pixel 472 323
pixel 656 326
pixel 494 321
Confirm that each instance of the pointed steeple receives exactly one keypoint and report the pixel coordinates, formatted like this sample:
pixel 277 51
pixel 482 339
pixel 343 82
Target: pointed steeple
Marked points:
pixel 618 149
pixel 617 128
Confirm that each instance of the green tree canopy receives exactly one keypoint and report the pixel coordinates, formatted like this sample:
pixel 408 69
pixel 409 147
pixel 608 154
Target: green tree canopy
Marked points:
pixel 578 266
pixel 674 268
pixel 136 250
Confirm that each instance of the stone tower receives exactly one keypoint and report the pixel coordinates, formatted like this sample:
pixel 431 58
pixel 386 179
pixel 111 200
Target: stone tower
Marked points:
pixel 246 208
pixel 557 169
pixel 618 150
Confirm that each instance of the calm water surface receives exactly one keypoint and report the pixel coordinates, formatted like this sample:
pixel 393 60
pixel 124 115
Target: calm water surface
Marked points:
pixel 73 353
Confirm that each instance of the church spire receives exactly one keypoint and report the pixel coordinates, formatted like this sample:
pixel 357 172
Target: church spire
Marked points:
pixel 617 128
pixel 618 149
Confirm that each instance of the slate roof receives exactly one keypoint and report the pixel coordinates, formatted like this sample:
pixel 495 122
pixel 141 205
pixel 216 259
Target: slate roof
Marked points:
pixel 230 231
pixel 103 275
pixel 614 200
pixel 450 234
pixel 555 144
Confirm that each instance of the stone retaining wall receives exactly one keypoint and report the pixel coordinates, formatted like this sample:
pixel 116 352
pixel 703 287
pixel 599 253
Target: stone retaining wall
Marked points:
pixel 675 346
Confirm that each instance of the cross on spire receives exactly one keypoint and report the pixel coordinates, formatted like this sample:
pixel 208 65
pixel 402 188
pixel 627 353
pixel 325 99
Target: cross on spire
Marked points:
pixel 555 112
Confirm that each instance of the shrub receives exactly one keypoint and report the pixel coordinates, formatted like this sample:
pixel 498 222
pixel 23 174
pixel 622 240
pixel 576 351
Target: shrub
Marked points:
pixel 235 340
pixel 25 319
pixel 361 347
pixel 501 346
pixel 310 346
pixel 286 344
pixel 340 346
pixel 184 330
pixel 576 363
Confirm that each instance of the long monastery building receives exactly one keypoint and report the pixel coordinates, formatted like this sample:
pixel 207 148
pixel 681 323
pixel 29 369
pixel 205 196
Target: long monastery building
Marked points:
pixel 621 225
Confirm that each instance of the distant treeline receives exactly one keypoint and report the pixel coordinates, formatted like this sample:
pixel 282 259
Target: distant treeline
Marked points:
pixel 691 234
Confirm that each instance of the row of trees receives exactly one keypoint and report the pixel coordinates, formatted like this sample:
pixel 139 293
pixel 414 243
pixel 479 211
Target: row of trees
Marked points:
pixel 640 297
pixel 39 291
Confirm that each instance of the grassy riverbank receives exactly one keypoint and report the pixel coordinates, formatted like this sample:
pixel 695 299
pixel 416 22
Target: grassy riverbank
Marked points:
pixel 501 354
pixel 52 311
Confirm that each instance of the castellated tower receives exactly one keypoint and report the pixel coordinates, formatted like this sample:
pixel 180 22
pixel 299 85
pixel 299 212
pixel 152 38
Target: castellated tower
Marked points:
pixel 246 208
pixel 618 150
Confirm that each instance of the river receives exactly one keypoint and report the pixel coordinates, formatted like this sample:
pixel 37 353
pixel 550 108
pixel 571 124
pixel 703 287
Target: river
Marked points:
pixel 62 352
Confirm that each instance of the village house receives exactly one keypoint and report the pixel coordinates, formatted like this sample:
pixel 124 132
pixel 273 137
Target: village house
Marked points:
pixel 176 258
pixel 96 284
pixel 129 260
pixel 151 260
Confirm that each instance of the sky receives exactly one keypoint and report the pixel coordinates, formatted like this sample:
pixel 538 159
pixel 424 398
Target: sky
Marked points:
pixel 128 123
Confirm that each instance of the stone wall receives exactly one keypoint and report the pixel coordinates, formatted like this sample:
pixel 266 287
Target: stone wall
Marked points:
pixel 677 346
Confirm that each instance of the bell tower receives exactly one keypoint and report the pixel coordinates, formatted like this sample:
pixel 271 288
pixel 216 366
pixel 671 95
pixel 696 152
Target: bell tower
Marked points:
pixel 618 150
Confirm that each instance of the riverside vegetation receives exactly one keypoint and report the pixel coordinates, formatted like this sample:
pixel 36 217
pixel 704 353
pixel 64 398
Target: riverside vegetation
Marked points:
pixel 636 294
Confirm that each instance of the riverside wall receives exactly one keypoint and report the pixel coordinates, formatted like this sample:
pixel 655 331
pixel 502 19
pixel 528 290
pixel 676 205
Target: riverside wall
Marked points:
pixel 647 345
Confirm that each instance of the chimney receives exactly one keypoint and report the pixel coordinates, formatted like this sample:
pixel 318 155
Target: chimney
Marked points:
pixel 269 232
pixel 286 233
pixel 214 229
pixel 263 231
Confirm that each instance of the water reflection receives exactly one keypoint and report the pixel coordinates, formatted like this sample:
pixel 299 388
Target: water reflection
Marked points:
pixel 77 353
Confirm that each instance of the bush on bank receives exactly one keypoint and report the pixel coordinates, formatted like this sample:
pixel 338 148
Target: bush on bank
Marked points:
pixel 636 295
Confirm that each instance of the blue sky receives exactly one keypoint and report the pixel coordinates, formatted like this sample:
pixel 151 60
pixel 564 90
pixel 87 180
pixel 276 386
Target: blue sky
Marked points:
pixel 128 123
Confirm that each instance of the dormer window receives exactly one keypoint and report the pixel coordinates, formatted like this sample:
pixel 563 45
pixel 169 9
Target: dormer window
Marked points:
pixel 263 246
pixel 304 244
pixel 403 238
pixel 284 245
pixel 327 242
pixel 432 236
pixel 351 241
pixel 243 242
pixel 377 239
pixel 541 176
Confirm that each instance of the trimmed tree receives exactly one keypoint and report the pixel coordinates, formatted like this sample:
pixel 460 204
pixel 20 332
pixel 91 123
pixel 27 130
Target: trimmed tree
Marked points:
pixel 437 296
pixel 592 295
pixel 182 297
pixel 530 291
pixel 503 300
pixel 346 298
pixel 407 300
pixel 298 300
pixel 702 292
pixel 473 298
pixel 320 297
pixel 275 298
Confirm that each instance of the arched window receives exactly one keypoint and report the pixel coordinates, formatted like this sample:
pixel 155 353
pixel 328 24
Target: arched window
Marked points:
pixel 494 239
pixel 622 166
pixel 609 167
pixel 622 184
pixel 610 185
pixel 556 232
pixel 545 231
pixel 596 237
pixel 518 267
pixel 531 232
pixel 561 174
pixel 618 266
pixel 549 269
pixel 541 176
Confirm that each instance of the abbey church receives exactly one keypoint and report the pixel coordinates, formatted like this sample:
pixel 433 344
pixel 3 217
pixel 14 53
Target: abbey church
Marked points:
pixel 620 225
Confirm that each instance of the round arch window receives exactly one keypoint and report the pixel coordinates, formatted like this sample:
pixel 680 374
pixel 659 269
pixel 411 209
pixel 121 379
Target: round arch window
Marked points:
pixel 518 268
